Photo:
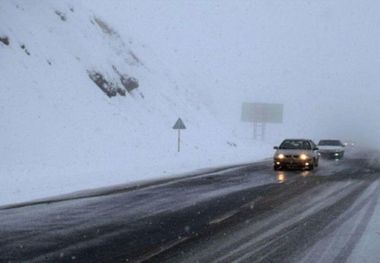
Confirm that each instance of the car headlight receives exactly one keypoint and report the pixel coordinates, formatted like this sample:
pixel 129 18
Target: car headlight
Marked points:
pixel 336 154
pixel 280 156
pixel 304 157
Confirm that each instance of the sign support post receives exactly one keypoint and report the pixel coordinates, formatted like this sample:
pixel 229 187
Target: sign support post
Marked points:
pixel 179 125
pixel 179 140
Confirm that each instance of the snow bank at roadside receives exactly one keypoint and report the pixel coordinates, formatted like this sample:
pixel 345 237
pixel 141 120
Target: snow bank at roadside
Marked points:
pixel 367 248
pixel 24 187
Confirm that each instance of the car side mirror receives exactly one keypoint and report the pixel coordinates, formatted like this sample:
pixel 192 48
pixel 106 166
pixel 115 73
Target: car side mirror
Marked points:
pixel 275 147
pixel 316 149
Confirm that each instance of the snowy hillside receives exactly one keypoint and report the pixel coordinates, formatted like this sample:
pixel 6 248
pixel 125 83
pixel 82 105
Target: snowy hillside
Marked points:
pixel 61 132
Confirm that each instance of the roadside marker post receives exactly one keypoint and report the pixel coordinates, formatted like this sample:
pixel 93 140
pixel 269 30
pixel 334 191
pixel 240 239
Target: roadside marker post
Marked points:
pixel 179 125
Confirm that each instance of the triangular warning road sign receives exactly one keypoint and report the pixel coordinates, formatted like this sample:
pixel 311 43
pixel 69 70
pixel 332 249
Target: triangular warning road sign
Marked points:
pixel 179 125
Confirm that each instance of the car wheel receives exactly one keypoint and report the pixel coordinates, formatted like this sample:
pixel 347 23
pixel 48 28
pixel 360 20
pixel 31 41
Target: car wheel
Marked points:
pixel 311 167
pixel 276 168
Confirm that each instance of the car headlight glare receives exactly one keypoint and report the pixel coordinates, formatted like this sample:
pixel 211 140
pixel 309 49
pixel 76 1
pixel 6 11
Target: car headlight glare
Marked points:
pixel 304 157
pixel 280 156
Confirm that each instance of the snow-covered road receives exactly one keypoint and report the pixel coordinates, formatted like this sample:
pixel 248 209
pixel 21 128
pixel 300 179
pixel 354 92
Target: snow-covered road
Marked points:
pixel 239 214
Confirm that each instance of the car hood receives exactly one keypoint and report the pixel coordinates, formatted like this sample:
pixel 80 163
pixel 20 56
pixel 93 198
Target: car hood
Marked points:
pixel 330 148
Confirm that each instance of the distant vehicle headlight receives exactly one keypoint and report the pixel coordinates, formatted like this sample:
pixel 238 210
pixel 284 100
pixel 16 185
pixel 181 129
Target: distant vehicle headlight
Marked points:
pixel 336 154
pixel 304 157
pixel 280 156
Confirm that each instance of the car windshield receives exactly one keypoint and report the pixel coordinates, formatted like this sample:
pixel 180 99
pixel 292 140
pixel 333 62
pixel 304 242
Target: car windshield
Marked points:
pixel 329 143
pixel 295 145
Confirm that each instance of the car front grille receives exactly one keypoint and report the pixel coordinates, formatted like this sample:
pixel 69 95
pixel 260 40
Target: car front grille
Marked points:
pixel 292 156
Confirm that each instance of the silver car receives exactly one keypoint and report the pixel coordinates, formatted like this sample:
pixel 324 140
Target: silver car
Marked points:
pixel 331 149
pixel 296 154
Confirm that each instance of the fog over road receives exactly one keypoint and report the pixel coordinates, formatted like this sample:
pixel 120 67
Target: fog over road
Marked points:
pixel 247 213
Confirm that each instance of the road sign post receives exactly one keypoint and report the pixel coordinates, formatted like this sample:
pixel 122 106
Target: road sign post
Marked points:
pixel 179 140
pixel 179 125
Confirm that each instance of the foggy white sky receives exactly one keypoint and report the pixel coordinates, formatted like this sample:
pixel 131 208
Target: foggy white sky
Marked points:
pixel 320 58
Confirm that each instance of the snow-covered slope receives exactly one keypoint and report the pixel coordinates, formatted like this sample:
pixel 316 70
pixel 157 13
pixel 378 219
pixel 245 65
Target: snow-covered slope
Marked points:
pixel 61 132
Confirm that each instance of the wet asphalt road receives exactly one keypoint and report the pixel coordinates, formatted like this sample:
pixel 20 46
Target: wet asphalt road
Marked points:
pixel 247 213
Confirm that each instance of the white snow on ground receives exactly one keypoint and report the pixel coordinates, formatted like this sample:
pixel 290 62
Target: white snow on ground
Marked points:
pixel 60 133
pixel 367 249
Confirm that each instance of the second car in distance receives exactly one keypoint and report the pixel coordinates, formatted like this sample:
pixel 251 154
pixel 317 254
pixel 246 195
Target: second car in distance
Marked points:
pixel 331 149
